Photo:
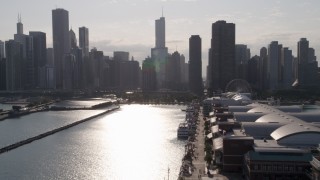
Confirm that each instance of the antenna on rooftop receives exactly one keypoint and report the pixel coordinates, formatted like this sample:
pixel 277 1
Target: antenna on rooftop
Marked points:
pixel 162 11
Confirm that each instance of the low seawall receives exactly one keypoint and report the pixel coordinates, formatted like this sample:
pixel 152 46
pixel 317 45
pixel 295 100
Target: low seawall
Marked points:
pixel 40 136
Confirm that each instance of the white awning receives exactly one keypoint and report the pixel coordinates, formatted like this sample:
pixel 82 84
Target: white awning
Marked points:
pixel 217 143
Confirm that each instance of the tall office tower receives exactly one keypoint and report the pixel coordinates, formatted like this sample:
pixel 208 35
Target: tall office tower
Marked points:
pixel 274 54
pixel 287 60
pixel 311 55
pixel 195 65
pixel 3 77
pixel 242 56
pixel 49 81
pixel 19 25
pixel 27 66
pixel 307 64
pixel 173 72
pixel 222 61
pixel 14 57
pixel 303 47
pixel 2 68
pixel 263 69
pixel 61 42
pixel 84 40
pixel 160 52
pixel 40 54
pixel 68 71
pixel 73 39
pixel 149 82
pixel 253 71
pixel 2 55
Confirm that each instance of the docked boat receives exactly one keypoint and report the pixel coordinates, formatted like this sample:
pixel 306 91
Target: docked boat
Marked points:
pixel 183 131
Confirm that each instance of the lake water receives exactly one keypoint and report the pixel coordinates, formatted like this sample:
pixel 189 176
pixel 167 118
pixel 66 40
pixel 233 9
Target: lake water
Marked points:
pixel 134 142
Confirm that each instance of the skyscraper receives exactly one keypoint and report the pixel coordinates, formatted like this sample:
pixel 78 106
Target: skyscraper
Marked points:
pixel 84 40
pixel 1 49
pixel 274 54
pixel 27 62
pixel 222 61
pixel 307 64
pixel 14 65
pixel 73 39
pixel 160 53
pixel 61 42
pixel 195 65
pixel 287 59
pixel 160 33
pixel 241 57
pixel 40 54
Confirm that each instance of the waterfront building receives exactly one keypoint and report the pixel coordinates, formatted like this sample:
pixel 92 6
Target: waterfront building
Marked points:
pixel 262 141
pixel 61 42
pixel 195 65
pixel 160 52
pixel 39 54
pixel 84 40
pixel 173 72
pixel 274 54
pixel 222 56
pixel 149 81
pixel 14 57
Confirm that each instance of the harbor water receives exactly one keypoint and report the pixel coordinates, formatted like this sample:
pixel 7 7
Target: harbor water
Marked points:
pixel 134 142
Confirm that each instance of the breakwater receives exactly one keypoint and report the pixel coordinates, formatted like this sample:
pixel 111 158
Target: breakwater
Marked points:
pixel 43 135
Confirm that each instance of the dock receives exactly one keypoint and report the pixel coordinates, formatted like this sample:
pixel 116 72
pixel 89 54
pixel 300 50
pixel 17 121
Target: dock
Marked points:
pixel 198 169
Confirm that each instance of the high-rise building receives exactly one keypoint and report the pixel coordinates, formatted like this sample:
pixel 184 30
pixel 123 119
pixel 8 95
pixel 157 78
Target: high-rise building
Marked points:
pixel 3 77
pixel 39 54
pixel 27 66
pixel 274 54
pixel 160 53
pixel 307 64
pixel 14 57
pixel 195 65
pixel 303 47
pixel 173 72
pixel 242 56
pixel 84 40
pixel 253 71
pixel 2 55
pixel 149 82
pixel 287 59
pixel 61 42
pixel 263 69
pixel 73 39
pixel 222 61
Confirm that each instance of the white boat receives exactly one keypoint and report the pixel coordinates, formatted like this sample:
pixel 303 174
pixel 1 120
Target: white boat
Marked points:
pixel 183 131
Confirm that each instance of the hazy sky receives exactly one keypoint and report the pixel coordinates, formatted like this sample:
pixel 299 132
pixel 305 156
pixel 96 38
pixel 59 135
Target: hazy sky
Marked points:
pixel 128 25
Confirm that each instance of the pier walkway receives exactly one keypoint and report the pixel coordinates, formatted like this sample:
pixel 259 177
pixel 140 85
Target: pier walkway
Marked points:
pixel 199 164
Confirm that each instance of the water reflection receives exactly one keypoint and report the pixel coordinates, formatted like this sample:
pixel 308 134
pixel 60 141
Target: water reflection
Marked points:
pixel 135 142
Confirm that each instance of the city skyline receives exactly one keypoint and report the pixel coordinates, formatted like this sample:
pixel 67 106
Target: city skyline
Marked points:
pixel 117 25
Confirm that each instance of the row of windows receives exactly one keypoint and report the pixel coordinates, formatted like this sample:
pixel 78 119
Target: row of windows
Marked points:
pixel 285 168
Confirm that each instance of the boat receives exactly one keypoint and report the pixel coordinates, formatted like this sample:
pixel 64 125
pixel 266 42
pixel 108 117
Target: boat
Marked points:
pixel 183 131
